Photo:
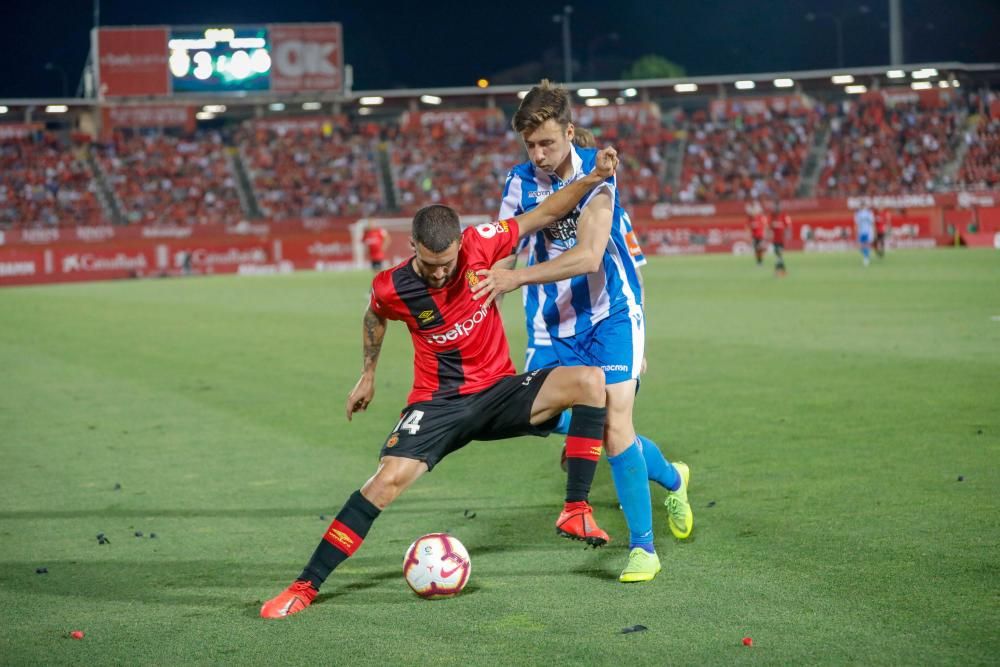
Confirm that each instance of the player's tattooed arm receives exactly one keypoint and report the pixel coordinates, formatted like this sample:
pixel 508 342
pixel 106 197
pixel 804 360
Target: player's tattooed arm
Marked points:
pixel 373 332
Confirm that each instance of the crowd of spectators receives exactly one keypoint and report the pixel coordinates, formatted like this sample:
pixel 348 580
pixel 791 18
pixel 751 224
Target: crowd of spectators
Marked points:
pixel 159 179
pixel 981 167
pixel 306 168
pixel 310 173
pixel 460 160
pixel 751 156
pixel 44 183
pixel 875 149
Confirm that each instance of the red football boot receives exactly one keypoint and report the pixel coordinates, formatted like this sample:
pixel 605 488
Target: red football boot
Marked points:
pixel 290 601
pixel 577 523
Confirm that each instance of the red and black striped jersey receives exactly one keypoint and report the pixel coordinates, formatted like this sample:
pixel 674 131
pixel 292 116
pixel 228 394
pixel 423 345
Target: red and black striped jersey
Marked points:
pixel 780 223
pixel 459 345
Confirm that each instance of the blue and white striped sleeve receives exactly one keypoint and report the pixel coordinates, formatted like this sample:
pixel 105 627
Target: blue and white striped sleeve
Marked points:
pixel 511 204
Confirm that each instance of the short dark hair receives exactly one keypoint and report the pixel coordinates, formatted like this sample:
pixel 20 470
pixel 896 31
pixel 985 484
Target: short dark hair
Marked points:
pixel 436 227
pixel 543 102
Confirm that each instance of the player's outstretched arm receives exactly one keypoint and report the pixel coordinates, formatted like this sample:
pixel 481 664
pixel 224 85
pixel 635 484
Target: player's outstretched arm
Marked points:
pixel 561 202
pixel 592 233
pixel 364 391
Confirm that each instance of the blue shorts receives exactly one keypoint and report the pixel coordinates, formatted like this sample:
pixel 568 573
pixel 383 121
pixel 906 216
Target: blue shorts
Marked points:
pixel 539 356
pixel 864 238
pixel 616 345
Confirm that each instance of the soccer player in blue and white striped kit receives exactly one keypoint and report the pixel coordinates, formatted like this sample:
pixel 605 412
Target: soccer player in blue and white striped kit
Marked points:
pixel 864 223
pixel 588 294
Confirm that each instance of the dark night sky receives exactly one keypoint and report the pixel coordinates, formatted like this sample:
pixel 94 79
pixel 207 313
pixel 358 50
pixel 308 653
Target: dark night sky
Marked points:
pixel 394 43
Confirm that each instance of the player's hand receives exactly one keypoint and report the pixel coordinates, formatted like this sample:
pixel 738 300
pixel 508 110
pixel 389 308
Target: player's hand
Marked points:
pixel 492 283
pixel 607 162
pixel 642 369
pixel 361 395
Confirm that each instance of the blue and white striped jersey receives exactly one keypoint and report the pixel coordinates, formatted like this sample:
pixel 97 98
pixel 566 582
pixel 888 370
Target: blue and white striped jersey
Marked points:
pixel 864 220
pixel 569 307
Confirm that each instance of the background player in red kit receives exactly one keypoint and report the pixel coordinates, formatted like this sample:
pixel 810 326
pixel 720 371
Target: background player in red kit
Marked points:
pixel 882 221
pixel 464 386
pixel 376 240
pixel 758 231
pixel 781 225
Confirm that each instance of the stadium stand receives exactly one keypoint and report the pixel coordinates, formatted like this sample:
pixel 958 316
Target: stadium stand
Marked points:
pixel 160 179
pixel 460 161
pixel 44 183
pixel 748 157
pixel 874 149
pixel 981 167
pixel 299 173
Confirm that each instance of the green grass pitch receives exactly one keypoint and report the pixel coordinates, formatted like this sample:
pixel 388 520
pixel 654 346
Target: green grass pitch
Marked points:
pixel 827 417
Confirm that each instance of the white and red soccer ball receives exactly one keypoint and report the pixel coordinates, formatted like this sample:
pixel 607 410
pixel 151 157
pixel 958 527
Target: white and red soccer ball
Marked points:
pixel 437 566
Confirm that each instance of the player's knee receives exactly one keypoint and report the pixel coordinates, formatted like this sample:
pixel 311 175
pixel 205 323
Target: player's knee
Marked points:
pixel 387 484
pixel 590 385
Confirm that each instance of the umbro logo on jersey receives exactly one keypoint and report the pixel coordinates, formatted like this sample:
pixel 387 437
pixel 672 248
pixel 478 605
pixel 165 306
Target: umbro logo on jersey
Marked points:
pixel 426 316
pixel 538 194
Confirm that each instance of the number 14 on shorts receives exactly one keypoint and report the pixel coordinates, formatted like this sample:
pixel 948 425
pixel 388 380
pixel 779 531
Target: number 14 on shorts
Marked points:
pixel 410 422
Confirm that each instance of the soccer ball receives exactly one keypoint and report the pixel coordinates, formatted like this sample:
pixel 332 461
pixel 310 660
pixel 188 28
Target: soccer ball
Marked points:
pixel 437 566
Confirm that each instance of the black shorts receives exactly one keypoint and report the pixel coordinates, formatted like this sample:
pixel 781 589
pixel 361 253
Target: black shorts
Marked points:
pixel 757 243
pixel 880 237
pixel 430 430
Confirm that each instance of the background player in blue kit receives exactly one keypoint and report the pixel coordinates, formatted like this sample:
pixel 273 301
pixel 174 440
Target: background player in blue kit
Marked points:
pixel 864 224
pixel 590 299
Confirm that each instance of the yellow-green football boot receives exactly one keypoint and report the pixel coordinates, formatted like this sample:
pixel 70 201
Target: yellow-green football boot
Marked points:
pixel 642 566
pixel 679 514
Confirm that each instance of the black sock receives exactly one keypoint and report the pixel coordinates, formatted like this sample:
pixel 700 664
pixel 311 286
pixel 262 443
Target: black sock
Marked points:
pixel 583 449
pixel 342 538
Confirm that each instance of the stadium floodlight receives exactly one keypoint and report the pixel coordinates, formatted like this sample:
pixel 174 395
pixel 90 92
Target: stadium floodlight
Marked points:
pixel 311 106
pixel 3 109
pixel 587 92
pixel 745 85
pixel 842 78
pixel 944 84
pixel 276 106
pixel 214 108
pixel 630 92
pixel 896 74
pixel 685 87
pixel 925 73
pixel 597 102
pixel 430 99
pixel 521 94
pixel 372 100
pixel 783 83
pixel 56 108
pixel 364 111
pixel 921 85
pixel 955 83
pixel 619 100
pixel 856 89
pixel 204 115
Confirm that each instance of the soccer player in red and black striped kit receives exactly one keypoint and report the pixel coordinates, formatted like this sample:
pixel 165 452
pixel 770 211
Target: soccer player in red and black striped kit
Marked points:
pixel 464 384
pixel 758 231
pixel 780 225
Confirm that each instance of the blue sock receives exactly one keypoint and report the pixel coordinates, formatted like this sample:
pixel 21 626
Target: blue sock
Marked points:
pixel 628 470
pixel 866 251
pixel 563 425
pixel 659 468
